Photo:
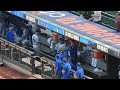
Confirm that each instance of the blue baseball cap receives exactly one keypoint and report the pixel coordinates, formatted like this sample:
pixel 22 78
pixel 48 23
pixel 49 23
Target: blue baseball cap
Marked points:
pixel 11 25
pixel 64 59
pixel 78 64
pixel 57 56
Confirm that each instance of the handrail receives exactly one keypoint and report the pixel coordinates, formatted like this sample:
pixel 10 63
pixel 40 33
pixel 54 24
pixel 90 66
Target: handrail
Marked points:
pixel 3 35
pixel 85 76
pixel 51 63
pixel 45 60
pixel 17 47
pixel 105 13
pixel 75 13
pixel 43 53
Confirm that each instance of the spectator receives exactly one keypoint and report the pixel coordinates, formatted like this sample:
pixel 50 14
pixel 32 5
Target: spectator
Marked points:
pixel 58 68
pixel 73 51
pixel 10 34
pixel 36 42
pixel 79 74
pixel 66 69
pixel 117 22
pixel 87 14
pixel 96 17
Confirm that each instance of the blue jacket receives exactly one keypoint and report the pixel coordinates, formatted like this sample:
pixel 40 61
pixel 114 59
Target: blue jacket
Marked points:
pixel 73 51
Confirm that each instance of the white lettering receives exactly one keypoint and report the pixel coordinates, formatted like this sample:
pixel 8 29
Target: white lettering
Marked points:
pixel 30 18
pixel 56 29
pixel 76 37
pixel 66 34
pixel 70 35
pixel 102 48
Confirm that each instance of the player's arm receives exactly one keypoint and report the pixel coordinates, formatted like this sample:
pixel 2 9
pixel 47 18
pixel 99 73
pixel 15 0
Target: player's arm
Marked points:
pixel 76 75
pixel 64 69
pixel 56 68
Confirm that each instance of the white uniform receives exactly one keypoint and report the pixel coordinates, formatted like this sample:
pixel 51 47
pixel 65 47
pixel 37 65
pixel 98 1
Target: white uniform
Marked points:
pixel 57 47
pixel 36 43
pixel 49 40
pixel 64 48
pixel 25 41
pixel 52 43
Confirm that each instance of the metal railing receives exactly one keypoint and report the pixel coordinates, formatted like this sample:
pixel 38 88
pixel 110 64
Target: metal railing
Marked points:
pixel 16 53
pixel 51 64
pixel 45 67
pixel 109 15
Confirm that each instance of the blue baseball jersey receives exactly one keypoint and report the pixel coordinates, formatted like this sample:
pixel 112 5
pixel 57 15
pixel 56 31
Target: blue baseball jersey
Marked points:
pixel 66 68
pixel 62 56
pixel 80 73
pixel 58 63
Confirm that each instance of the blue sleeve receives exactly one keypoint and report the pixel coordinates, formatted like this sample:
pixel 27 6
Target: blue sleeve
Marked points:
pixel 56 64
pixel 64 68
pixel 77 73
pixel 10 36
pixel 73 66
pixel 7 35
